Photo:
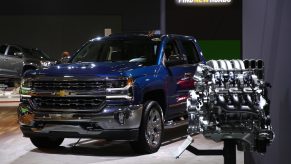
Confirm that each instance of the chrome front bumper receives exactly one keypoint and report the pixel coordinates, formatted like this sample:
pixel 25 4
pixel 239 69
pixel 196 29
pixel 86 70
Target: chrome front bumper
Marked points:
pixel 112 122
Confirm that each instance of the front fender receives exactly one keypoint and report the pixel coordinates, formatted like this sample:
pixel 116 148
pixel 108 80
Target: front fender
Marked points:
pixel 145 85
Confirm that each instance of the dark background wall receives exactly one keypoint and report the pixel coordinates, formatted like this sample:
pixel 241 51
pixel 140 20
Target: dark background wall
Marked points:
pixel 58 25
pixel 266 35
pixel 218 28
pixel 55 33
pixel 205 22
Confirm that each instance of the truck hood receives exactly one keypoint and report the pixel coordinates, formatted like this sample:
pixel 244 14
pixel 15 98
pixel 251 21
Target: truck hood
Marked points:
pixel 99 69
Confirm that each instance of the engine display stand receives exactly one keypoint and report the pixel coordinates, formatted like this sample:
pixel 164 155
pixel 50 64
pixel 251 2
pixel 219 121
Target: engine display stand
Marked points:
pixel 228 152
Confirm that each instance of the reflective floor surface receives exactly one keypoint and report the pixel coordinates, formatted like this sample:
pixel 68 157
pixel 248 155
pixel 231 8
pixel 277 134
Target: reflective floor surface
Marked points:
pixel 16 149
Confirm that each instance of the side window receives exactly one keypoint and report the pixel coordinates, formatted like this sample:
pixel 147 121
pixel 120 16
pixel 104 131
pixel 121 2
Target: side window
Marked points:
pixel 12 50
pixel 191 52
pixel 171 52
pixel 3 49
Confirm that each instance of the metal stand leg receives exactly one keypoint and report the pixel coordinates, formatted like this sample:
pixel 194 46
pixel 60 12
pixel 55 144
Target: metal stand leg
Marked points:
pixel 204 152
pixel 229 152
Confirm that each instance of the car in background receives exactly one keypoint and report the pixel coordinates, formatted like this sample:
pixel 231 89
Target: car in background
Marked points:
pixel 15 60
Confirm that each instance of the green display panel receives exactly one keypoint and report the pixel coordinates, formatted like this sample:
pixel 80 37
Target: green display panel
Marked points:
pixel 221 49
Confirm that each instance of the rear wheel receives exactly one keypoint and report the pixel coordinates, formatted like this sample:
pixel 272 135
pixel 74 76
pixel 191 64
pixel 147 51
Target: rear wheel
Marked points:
pixel 46 142
pixel 151 129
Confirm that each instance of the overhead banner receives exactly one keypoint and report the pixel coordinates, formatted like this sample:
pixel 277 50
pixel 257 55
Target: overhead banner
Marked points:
pixel 203 2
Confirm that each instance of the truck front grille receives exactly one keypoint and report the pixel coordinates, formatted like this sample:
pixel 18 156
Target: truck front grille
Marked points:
pixel 68 85
pixel 77 104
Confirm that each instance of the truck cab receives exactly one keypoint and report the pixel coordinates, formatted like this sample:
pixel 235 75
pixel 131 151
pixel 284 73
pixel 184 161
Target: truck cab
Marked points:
pixel 120 87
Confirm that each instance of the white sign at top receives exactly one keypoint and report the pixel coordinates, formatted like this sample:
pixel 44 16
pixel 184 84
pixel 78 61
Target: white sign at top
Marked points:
pixel 203 2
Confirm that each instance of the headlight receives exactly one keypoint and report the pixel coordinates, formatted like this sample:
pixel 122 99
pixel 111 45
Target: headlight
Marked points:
pixel 116 83
pixel 25 88
pixel 119 88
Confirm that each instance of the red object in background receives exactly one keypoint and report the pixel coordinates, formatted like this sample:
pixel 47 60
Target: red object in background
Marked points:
pixel 186 83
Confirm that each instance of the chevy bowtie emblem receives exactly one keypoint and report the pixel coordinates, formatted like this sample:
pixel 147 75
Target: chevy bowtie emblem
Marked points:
pixel 62 93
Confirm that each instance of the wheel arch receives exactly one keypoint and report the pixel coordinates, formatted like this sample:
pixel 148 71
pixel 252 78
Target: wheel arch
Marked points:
pixel 159 96
pixel 28 67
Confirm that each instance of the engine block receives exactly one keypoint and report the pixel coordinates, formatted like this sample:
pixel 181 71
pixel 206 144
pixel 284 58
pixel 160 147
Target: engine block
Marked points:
pixel 230 101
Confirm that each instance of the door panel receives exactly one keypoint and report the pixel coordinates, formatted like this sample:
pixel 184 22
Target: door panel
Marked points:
pixel 180 82
pixel 179 79
pixel 13 64
pixel 4 63
pixel 3 70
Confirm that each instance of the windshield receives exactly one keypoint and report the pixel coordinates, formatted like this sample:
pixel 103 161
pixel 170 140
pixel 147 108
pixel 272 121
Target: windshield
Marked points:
pixel 131 50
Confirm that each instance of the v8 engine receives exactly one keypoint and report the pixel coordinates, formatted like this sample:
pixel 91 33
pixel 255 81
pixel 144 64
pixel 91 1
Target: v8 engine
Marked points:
pixel 230 101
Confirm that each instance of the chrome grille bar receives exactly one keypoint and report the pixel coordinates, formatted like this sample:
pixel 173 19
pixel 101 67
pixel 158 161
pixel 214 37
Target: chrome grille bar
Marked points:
pixel 68 103
pixel 70 85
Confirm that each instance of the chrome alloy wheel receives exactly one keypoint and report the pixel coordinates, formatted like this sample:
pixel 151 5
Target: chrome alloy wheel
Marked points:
pixel 154 128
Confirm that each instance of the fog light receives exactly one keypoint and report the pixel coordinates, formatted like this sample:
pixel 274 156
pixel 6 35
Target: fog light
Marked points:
pixel 25 117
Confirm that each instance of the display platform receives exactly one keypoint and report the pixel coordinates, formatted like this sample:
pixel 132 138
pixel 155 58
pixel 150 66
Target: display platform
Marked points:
pixel 9 96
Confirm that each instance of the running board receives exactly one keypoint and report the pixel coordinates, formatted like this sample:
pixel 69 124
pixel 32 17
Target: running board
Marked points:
pixel 175 124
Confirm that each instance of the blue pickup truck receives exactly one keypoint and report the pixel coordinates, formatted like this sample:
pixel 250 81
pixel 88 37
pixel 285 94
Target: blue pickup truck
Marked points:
pixel 120 87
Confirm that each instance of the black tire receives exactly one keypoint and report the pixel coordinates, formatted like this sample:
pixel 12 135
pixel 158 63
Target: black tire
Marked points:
pixel 45 142
pixel 151 129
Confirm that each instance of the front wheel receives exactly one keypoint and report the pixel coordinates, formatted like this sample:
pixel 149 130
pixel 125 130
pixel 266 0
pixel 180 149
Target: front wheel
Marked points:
pixel 45 142
pixel 151 129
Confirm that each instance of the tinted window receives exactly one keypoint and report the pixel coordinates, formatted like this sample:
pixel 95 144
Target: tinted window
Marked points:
pixel 132 50
pixel 3 49
pixel 12 50
pixel 191 52
pixel 171 52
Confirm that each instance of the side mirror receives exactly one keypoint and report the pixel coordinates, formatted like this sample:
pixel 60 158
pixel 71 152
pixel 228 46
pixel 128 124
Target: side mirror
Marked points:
pixel 18 54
